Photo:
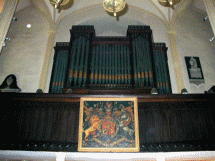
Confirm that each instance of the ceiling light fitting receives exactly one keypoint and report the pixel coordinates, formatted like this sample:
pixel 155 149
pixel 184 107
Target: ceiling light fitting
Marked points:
pixel 212 39
pixel 14 19
pixel 8 39
pixel 114 6
pixel 168 3
pixel 59 3
pixel 28 25
pixel 205 18
pixel 4 43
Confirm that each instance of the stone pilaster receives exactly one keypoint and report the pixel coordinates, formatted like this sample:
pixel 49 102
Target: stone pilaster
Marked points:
pixel 44 76
pixel 176 60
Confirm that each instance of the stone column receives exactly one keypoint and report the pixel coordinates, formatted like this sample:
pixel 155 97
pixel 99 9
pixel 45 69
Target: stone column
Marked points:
pixel 176 60
pixel 6 18
pixel 210 7
pixel 44 76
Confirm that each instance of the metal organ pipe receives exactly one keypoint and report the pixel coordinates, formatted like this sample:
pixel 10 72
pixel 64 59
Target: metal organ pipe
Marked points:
pixel 100 65
pixel 93 67
pixel 71 66
pixel 81 65
pixel 77 61
pixel 86 60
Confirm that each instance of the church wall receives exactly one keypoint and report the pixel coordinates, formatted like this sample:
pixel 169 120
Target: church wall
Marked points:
pixel 192 37
pixel 23 55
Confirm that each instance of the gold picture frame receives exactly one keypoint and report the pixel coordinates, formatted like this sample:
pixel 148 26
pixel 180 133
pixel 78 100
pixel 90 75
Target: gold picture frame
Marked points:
pixel 108 125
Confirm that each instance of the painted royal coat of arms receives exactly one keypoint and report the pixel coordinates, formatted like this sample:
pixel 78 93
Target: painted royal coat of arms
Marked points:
pixel 108 124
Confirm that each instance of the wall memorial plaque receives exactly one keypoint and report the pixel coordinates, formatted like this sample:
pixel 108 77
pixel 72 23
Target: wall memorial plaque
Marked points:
pixel 194 70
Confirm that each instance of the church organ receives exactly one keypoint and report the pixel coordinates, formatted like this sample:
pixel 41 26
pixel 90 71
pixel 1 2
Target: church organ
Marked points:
pixel 133 62
pixel 119 66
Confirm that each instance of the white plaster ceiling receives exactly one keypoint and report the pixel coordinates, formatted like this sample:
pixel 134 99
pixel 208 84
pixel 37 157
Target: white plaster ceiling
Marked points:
pixel 23 4
pixel 167 15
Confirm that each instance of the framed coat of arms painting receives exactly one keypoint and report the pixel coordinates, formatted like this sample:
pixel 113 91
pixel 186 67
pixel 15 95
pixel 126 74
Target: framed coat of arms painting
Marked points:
pixel 108 125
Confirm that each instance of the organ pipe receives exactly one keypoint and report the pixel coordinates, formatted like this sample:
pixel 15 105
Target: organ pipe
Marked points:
pixel 100 64
pixel 96 66
pixel 112 66
pixel 71 71
pixel 81 65
pixel 92 76
pixel 77 61
pixel 134 61
pixel 60 71
pixel 116 65
pixel 86 60
pixel 103 65
pixel 107 65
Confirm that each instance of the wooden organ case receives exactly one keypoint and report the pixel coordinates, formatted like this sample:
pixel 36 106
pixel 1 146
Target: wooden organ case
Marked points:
pixel 89 64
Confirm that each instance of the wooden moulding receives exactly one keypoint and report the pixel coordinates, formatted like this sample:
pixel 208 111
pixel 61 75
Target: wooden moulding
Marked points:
pixel 109 91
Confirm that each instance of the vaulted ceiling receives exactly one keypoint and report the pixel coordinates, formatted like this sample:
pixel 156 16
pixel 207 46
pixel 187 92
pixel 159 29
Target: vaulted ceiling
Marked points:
pixel 92 12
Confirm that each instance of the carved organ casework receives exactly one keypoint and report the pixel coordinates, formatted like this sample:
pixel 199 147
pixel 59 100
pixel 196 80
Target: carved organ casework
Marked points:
pixel 131 63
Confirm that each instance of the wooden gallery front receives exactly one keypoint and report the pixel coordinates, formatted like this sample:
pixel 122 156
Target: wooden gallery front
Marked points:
pixel 108 67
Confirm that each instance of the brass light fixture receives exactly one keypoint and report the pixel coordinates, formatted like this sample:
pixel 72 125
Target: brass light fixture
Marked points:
pixel 168 3
pixel 114 6
pixel 60 3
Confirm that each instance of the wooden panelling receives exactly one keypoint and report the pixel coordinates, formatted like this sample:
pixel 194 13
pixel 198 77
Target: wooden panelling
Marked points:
pixel 163 119
pixel 165 122
pixel 47 123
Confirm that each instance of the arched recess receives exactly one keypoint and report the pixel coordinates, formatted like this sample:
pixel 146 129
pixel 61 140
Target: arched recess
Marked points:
pixel 97 12
pixel 181 8
pixel 23 56
pixel 41 6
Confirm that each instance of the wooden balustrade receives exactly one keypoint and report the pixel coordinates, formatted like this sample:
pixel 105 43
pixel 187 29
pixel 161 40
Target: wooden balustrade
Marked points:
pixel 49 122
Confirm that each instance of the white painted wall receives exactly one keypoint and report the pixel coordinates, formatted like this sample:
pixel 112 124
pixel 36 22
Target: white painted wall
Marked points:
pixel 193 36
pixel 23 55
